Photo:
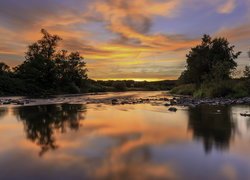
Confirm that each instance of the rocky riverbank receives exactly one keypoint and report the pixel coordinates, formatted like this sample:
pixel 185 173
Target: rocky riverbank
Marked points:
pixel 121 99
pixel 192 102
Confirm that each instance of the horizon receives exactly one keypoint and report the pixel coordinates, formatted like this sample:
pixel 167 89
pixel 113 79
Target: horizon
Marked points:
pixel 133 40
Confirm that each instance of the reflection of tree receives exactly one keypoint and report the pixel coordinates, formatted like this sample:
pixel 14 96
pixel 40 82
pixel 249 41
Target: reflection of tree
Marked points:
pixel 40 122
pixel 3 112
pixel 214 128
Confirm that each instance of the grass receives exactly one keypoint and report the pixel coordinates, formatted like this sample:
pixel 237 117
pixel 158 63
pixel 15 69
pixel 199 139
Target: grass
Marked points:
pixel 185 89
pixel 229 88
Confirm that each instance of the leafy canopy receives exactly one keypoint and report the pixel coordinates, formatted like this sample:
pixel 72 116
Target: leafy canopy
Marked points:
pixel 213 59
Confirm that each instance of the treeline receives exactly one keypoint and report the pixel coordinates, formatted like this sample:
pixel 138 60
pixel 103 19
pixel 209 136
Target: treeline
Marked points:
pixel 47 70
pixel 210 70
pixel 130 85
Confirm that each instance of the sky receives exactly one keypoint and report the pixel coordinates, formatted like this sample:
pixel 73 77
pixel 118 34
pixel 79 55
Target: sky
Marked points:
pixel 125 39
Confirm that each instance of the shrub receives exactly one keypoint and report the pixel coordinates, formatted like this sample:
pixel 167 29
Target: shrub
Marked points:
pixel 185 89
pixel 120 85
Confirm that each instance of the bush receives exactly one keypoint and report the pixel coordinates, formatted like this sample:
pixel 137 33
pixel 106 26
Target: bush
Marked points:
pixel 120 85
pixel 96 88
pixel 230 88
pixel 185 89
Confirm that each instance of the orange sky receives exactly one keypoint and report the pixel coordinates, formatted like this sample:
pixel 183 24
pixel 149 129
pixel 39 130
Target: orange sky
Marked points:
pixel 139 39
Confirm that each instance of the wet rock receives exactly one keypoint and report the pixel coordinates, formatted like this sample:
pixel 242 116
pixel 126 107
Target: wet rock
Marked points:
pixel 172 109
pixel 6 102
pixel 172 101
pixel 114 101
pixel 20 103
pixel 167 104
pixel 246 114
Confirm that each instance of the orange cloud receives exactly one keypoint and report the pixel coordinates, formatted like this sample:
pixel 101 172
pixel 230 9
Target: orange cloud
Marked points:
pixel 227 7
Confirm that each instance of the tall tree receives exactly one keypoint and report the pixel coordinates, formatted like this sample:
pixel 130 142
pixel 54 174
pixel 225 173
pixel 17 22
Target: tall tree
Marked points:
pixel 4 68
pixel 247 69
pixel 71 71
pixel 47 69
pixel 213 59
pixel 38 68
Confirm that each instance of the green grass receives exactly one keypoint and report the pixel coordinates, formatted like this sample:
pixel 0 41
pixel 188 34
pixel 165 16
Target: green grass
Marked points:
pixel 228 88
pixel 185 89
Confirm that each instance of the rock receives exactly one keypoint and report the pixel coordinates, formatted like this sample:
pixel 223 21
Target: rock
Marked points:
pixel 20 103
pixel 172 102
pixel 114 101
pixel 246 114
pixel 240 101
pixel 167 104
pixel 172 109
pixel 6 102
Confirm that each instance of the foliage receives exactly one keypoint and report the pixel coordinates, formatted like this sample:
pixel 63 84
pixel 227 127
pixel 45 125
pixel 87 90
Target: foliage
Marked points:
pixel 235 88
pixel 213 59
pixel 120 85
pixel 45 70
pixel 185 89
pixel 247 72
pixel 211 89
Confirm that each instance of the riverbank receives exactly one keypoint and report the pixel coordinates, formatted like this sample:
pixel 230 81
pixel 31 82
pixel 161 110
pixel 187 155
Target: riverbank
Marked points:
pixel 190 101
pixel 123 98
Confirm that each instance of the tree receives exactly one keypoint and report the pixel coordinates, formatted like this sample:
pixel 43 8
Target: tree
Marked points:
pixel 47 70
pixel 120 85
pixel 247 69
pixel 247 72
pixel 4 68
pixel 213 59
pixel 71 71
pixel 38 69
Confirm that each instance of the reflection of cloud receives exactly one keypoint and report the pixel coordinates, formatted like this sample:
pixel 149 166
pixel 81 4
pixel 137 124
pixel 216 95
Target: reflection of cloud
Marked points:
pixel 229 172
pixel 115 144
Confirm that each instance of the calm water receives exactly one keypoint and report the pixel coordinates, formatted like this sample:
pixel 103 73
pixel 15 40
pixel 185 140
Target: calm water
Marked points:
pixel 98 141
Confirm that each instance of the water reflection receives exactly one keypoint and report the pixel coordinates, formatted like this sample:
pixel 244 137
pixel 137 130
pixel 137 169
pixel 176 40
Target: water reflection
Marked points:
pixel 41 122
pixel 213 125
pixel 3 112
pixel 124 142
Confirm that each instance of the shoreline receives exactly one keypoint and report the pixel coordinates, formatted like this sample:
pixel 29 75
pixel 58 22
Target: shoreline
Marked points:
pixel 123 98
pixel 192 102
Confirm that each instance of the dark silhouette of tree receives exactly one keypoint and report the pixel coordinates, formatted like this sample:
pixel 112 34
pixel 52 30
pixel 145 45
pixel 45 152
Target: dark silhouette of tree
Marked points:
pixel 213 59
pixel 3 112
pixel 70 71
pixel 41 122
pixel 247 69
pixel 39 68
pixel 214 128
pixel 9 85
pixel 47 70
pixel 119 85
pixel 4 69
pixel 247 72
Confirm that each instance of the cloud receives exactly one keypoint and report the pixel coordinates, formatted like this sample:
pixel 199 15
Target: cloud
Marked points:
pixel 122 36
pixel 227 7
pixel 237 33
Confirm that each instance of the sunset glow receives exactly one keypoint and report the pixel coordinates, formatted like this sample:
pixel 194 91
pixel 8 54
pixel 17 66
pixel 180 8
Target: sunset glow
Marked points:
pixel 132 39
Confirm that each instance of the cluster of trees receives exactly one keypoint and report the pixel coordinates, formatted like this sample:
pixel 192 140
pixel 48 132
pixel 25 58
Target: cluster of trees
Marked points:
pixel 210 68
pixel 213 59
pixel 129 85
pixel 45 70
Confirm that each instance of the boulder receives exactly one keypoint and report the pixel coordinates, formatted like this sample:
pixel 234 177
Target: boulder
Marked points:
pixel 172 109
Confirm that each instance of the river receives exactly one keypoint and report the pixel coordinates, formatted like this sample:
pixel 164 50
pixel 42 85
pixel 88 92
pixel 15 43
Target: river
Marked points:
pixel 134 141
